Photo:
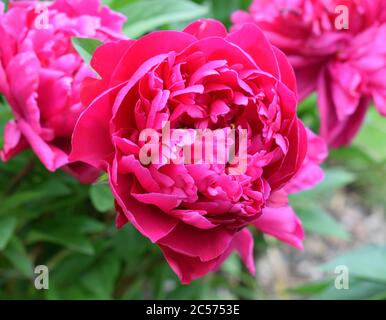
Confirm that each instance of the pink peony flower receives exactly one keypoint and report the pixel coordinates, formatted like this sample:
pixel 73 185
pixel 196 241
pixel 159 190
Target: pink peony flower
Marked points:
pixel 346 67
pixel 41 75
pixel 201 78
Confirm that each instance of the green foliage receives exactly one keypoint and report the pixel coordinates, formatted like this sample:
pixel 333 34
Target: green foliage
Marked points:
pixel 308 112
pixel 308 205
pixel 146 15
pixel 101 197
pixel 371 137
pixel 7 228
pixel 85 47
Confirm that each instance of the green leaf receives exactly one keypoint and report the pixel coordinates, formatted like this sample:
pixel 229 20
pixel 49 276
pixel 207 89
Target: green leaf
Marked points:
pixel 135 290
pixel 69 292
pixel 55 188
pixel 308 103
pixel 222 10
pixel 84 224
pixel 71 223
pixel 368 263
pixel 7 228
pixel 358 290
pixel 101 279
pixel 16 254
pixel 334 179
pixel 85 47
pixel 70 269
pixel 311 288
pixel 352 157
pixel 101 197
pixel 232 265
pixel 308 112
pixel 5 116
pixel 118 4
pixel 19 199
pixel 371 136
pixel 66 238
pixel 147 15
pixel 316 220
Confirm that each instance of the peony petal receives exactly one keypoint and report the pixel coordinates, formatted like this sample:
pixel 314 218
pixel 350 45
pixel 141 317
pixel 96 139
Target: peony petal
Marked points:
pixel 82 172
pixel 243 244
pixel 51 156
pixel 149 220
pixel 283 224
pixel 194 218
pixel 306 80
pixel 144 49
pixel 14 142
pixel 187 268
pixel 287 73
pixel 107 56
pixel 257 46
pixel 208 244
pixel 205 28
pixel 310 174
pixel 91 142
pixel 337 133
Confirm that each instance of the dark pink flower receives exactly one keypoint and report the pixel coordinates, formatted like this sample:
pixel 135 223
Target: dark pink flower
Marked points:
pixel 346 67
pixel 41 75
pixel 202 78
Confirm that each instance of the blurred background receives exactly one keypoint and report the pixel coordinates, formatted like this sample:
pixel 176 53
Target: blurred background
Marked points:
pixel 51 219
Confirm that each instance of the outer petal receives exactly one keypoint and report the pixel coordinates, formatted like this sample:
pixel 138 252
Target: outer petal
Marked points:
pixel 111 20
pixel 107 56
pixel 337 132
pixel 306 80
pixel 242 243
pixel 209 244
pixel 83 172
pixel 187 268
pixel 379 97
pixel 239 18
pixel 252 40
pixel 310 174
pixel 144 49
pixel 51 156
pixel 104 60
pixel 205 28
pixel 14 142
pixel 91 142
pixel 149 220
pixel 23 79
pixel 287 74
pixel 279 175
pixel 283 224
